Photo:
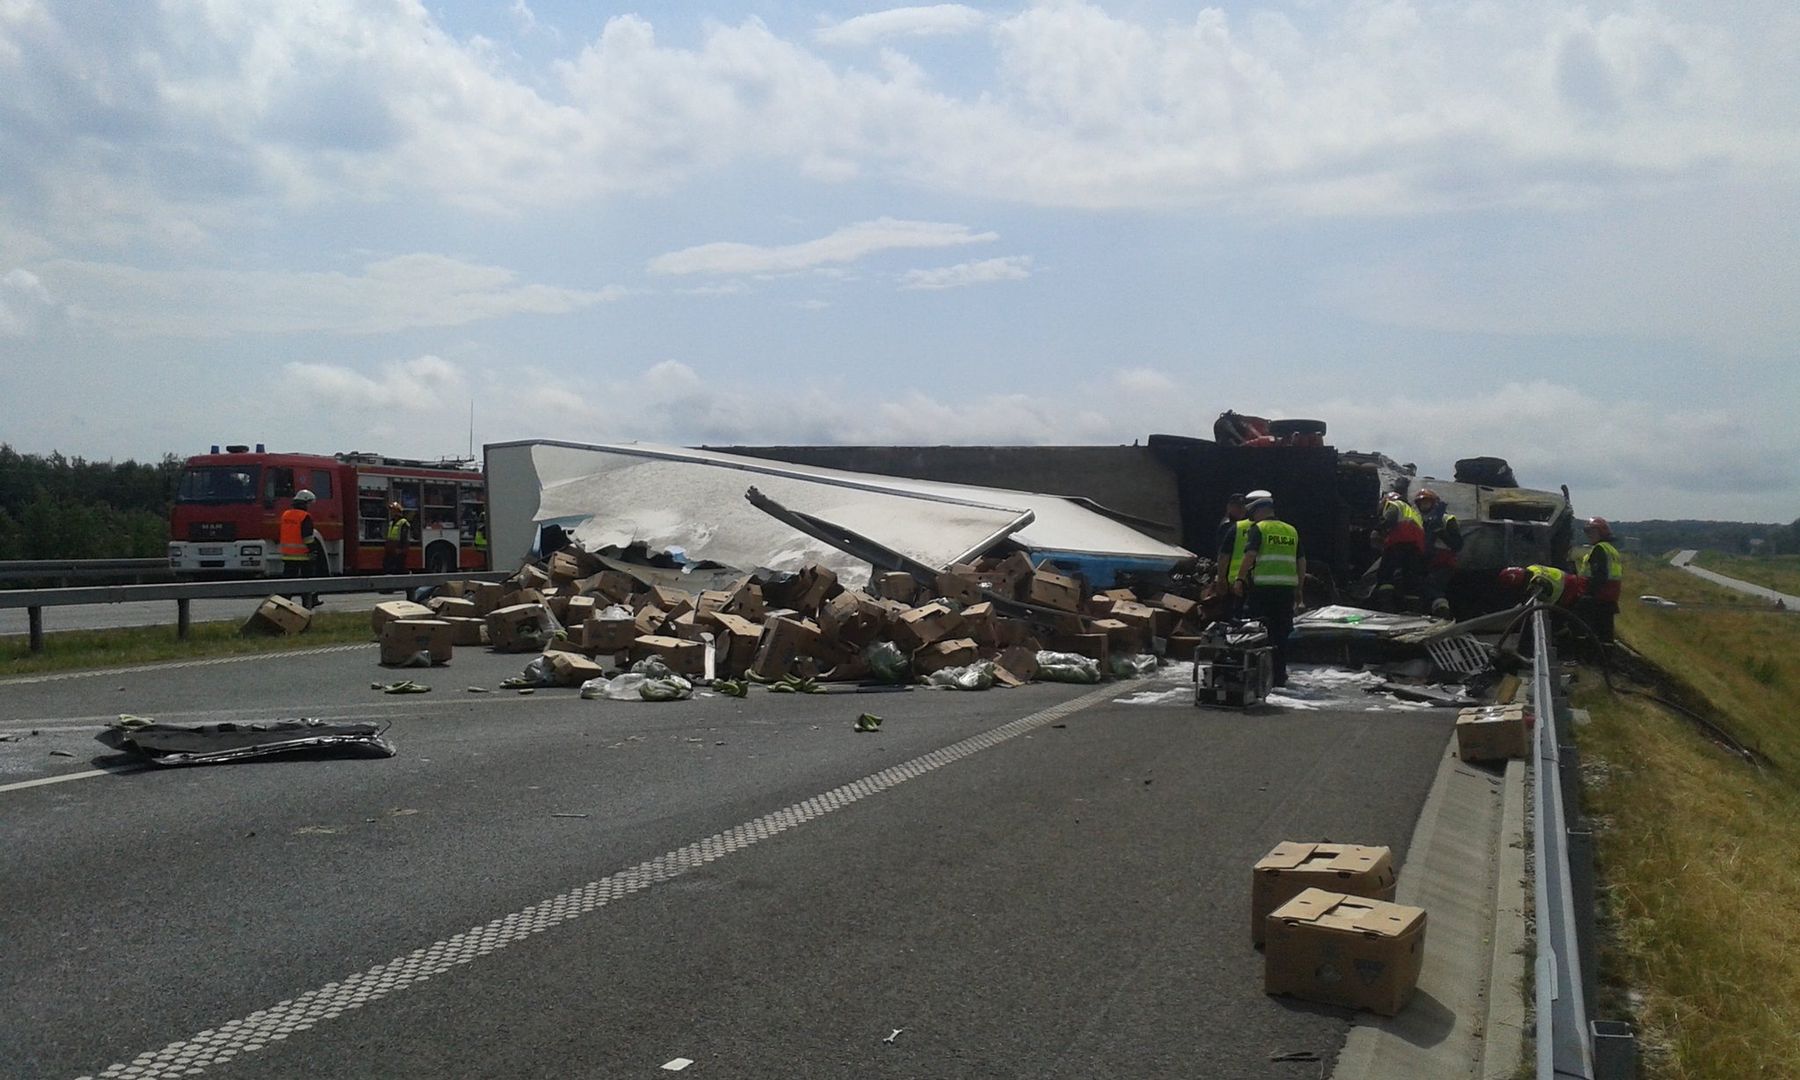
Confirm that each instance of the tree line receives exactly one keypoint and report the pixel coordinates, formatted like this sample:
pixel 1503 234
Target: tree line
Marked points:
pixel 57 507
pixel 1735 537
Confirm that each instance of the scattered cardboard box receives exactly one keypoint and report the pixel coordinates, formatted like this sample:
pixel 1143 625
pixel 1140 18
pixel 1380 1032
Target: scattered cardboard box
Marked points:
pixel 486 595
pixel 402 639
pixel 1046 588
pixel 382 614
pixel 682 657
pixel 1493 733
pixel 467 631
pixel 573 669
pixel 1344 950
pixel 519 628
pixel 277 615
pixel 784 641
pixel 452 607
pixel 1291 868
pixel 608 635
pixel 951 652
pixel 894 585
pixel 960 584
pixel 920 626
pixel 1016 666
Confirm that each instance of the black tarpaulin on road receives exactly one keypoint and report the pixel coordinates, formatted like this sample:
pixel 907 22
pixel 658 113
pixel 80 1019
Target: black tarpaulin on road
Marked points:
pixel 210 744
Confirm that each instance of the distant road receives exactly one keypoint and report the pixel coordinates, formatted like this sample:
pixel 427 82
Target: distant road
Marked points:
pixel 1685 560
pixel 162 612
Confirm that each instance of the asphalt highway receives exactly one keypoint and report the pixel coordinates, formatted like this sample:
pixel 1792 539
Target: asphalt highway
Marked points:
pixel 1037 882
pixel 162 612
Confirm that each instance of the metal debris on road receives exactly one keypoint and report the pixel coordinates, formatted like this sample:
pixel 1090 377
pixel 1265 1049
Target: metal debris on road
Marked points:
pixel 206 744
pixel 476 689
pixel 569 815
pixel 894 1036
pixel 677 1064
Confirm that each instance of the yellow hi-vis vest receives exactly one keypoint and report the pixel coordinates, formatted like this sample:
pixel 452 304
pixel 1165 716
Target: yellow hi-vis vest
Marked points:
pixel 1615 568
pixel 1556 579
pixel 396 528
pixel 1237 550
pixel 1276 562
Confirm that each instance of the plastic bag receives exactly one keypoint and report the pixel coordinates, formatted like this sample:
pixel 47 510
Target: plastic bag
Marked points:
pixel 536 673
pixel 615 611
pixel 1131 665
pixel 976 676
pixel 887 663
pixel 622 688
pixel 1067 667
pixel 652 667
pixel 672 688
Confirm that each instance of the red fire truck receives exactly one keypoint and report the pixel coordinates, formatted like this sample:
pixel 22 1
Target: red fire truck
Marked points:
pixel 226 520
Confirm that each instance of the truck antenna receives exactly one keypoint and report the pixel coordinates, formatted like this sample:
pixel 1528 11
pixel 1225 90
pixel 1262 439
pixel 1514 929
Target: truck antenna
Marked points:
pixel 471 429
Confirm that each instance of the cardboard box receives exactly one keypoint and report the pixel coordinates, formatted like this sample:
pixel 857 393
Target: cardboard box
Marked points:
pixel 951 652
pixel 784 641
pixel 1098 606
pixel 467 631
pixel 1094 646
pixel 1180 605
pixel 573 669
pixel 452 607
pixel 564 566
pixel 960 584
pixel 894 586
pixel 277 615
pixel 402 639
pixel 455 590
pixel 1006 577
pixel 1291 868
pixel 1345 950
pixel 814 585
pixel 615 586
pixel 978 623
pixel 711 601
pixel 1046 588
pixel 852 618
pixel 920 626
pixel 486 595
pixel 1141 617
pixel 747 601
pixel 382 614
pixel 1495 733
pixel 608 635
pixel 1121 594
pixel 519 628
pixel 650 619
pixel 683 657
pixel 1017 662
pixel 735 644
pixel 530 577
pixel 578 609
pixel 1119 637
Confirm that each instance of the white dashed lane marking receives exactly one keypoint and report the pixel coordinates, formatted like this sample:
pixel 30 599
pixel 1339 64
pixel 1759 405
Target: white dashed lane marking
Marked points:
pixel 287 1018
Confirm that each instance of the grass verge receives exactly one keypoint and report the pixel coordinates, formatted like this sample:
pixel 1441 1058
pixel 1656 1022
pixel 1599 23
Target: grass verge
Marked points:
pixel 72 650
pixel 1778 572
pixel 1695 848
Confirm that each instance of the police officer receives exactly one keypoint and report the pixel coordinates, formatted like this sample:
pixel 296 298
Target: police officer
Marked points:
pixel 1270 576
pixel 1229 544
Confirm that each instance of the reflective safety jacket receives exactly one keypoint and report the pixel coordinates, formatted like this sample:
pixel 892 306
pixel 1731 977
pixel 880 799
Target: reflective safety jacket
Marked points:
pixel 1604 570
pixel 398 530
pixel 1553 586
pixel 1443 537
pixel 1240 537
pixel 295 525
pixel 1277 556
pixel 1402 525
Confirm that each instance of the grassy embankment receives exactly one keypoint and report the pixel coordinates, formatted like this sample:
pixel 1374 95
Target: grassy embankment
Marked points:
pixel 74 649
pixel 1778 572
pixel 1696 848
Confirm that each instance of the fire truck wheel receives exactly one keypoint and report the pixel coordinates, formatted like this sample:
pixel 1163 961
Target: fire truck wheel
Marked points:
pixel 440 558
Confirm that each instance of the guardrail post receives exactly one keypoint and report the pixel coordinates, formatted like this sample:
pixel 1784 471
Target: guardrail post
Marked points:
pixel 1615 1050
pixel 182 618
pixel 36 617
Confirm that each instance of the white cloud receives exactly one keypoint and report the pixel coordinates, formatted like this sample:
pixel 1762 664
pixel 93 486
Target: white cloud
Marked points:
pixel 23 303
pixel 1144 381
pixel 846 245
pixel 405 291
pixel 1006 268
pixel 426 386
pixel 937 20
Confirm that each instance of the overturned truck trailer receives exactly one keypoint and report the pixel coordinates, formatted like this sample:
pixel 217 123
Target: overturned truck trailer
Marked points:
pixel 700 507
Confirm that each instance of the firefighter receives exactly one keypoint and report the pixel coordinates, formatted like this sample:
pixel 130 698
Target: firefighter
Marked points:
pixel 1545 584
pixel 1269 579
pixel 1443 539
pixel 300 544
pixel 399 537
pixel 1401 574
pixel 1605 574
pixel 1229 545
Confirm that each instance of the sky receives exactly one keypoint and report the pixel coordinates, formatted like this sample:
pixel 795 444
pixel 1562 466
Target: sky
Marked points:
pixel 1567 234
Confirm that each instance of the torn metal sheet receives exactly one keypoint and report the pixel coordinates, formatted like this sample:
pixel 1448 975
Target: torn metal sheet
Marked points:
pixel 1341 621
pixel 693 500
pixel 210 744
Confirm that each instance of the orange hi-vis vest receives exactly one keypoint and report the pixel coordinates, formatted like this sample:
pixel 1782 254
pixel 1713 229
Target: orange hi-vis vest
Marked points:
pixel 293 545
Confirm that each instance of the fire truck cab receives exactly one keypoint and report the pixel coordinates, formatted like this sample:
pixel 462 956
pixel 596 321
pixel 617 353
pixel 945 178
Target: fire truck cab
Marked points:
pixel 227 516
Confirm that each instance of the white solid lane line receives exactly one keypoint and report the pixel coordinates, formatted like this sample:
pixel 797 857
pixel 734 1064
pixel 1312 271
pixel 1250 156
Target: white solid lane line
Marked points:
pixel 66 777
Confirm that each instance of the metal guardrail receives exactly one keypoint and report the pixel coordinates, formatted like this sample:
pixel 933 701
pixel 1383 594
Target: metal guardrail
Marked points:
pixel 82 569
pixel 34 601
pixel 1570 1044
